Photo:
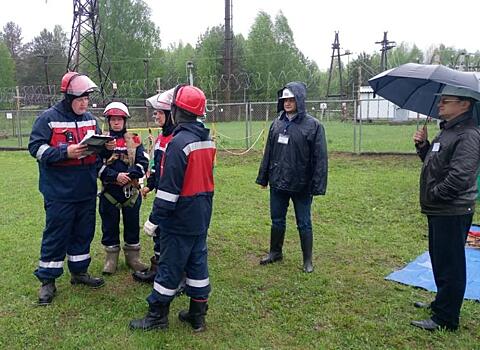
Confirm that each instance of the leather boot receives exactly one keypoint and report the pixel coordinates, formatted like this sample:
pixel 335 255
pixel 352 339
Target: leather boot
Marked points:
pixel 87 280
pixel 156 317
pixel 47 292
pixel 111 260
pixel 149 275
pixel 306 241
pixel 195 314
pixel 276 243
pixel 132 257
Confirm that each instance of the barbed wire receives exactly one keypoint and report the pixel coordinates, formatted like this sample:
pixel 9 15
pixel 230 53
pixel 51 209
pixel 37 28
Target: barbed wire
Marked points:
pixel 243 84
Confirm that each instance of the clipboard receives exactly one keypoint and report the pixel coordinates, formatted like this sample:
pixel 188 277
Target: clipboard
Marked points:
pixel 95 143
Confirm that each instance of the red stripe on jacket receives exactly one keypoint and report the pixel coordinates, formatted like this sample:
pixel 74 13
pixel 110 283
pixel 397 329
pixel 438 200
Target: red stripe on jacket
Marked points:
pixel 199 173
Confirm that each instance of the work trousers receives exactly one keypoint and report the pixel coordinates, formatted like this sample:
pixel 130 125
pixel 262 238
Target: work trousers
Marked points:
pixel 181 254
pixel 69 230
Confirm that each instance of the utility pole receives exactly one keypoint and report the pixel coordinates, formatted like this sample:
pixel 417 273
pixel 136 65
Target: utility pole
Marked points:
pixel 386 45
pixel 145 68
pixel 227 58
pixel 347 53
pixel 45 65
pixel 189 66
pixel 19 124
pixel 336 55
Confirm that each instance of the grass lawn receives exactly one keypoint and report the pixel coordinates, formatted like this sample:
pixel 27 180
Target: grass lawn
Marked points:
pixel 366 226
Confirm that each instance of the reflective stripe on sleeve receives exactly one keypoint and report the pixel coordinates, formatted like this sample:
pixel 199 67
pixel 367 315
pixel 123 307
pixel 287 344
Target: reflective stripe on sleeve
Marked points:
pixel 162 290
pixel 141 167
pixel 50 264
pixel 77 258
pixel 197 283
pixel 41 150
pixel 169 197
pixel 197 146
pixel 146 155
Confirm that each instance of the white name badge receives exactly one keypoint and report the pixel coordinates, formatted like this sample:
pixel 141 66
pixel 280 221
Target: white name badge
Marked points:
pixel 436 147
pixel 283 139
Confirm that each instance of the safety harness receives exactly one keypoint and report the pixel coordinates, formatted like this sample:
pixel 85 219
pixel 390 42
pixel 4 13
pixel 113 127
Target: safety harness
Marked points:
pixel 131 193
pixel 130 190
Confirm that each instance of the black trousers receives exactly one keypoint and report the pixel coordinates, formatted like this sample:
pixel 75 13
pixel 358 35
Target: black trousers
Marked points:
pixel 446 245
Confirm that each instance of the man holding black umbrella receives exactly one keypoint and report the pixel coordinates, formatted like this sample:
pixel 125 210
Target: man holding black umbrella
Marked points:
pixel 448 189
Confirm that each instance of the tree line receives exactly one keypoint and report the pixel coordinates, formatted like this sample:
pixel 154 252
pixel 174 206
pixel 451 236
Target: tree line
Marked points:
pixel 262 62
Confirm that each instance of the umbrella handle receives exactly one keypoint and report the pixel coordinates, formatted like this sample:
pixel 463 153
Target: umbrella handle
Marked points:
pixel 426 121
pixel 424 128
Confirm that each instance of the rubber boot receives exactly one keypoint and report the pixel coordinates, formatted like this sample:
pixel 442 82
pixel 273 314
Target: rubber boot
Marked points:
pixel 276 243
pixel 111 260
pixel 87 280
pixel 156 317
pixel 149 275
pixel 47 292
pixel 132 257
pixel 306 241
pixel 195 314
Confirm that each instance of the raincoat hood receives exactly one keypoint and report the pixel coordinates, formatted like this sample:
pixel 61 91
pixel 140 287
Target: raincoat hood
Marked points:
pixel 299 90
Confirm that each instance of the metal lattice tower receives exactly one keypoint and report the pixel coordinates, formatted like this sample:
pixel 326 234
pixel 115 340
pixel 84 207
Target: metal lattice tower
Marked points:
pixel 335 55
pixel 87 47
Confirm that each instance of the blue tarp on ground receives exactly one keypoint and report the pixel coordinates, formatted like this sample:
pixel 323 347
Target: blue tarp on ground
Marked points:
pixel 419 273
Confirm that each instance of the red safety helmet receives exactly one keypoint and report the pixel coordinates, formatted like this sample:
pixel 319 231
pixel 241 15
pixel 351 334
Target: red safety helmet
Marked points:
pixel 190 99
pixel 77 84
pixel 116 109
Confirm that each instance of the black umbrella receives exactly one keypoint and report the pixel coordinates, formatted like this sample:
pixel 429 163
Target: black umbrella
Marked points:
pixel 415 86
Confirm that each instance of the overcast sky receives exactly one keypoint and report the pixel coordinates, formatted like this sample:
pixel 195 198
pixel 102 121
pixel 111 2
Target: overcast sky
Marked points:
pixel 360 23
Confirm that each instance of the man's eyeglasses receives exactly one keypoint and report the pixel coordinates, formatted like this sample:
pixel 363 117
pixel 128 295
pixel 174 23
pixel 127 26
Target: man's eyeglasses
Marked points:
pixel 445 101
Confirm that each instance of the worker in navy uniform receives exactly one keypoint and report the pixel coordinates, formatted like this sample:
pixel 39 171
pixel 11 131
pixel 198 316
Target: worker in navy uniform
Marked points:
pixel 68 184
pixel 120 196
pixel 295 166
pixel 448 189
pixel 182 211
pixel 161 104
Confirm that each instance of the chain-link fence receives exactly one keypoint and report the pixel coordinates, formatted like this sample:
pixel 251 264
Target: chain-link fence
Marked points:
pixel 241 127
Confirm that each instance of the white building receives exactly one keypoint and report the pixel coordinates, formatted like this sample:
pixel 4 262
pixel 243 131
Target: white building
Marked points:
pixel 372 108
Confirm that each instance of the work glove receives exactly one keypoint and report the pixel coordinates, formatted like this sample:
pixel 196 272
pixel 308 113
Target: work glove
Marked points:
pixel 149 228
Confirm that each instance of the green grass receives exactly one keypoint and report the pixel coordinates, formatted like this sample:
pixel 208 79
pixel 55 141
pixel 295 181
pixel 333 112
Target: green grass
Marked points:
pixel 366 226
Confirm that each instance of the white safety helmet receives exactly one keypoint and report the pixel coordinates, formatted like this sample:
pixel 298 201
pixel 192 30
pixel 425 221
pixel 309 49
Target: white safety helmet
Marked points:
pixel 77 84
pixel 116 109
pixel 161 101
pixel 287 93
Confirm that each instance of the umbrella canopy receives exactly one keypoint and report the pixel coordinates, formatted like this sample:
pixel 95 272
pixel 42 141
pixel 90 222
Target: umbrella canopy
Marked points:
pixel 415 86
